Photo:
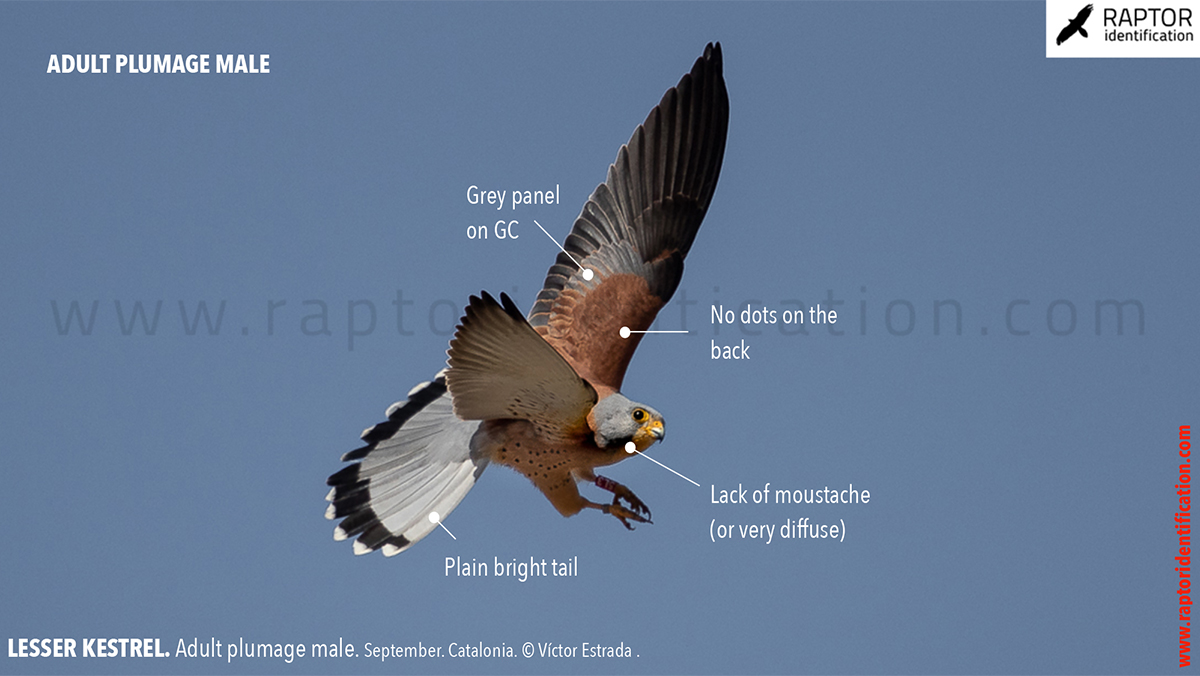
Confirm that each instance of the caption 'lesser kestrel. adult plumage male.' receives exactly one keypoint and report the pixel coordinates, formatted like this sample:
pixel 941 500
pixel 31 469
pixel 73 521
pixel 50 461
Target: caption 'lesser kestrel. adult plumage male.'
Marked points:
pixel 542 394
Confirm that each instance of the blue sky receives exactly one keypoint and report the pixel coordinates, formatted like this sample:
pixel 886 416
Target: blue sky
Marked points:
pixel 886 157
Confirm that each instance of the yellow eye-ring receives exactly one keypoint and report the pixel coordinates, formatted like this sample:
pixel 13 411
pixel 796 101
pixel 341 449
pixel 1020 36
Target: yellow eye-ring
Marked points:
pixel 639 415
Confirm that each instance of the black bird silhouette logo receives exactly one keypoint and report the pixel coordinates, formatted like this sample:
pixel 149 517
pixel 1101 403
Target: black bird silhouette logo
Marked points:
pixel 1075 26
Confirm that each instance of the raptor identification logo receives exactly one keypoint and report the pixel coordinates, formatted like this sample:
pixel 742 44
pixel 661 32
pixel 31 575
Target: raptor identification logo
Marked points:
pixel 1123 29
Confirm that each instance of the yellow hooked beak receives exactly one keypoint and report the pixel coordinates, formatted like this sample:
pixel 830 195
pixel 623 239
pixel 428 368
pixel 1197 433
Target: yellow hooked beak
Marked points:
pixel 649 433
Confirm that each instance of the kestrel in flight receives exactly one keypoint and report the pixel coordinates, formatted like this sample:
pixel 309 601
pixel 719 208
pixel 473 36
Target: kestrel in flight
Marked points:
pixel 541 394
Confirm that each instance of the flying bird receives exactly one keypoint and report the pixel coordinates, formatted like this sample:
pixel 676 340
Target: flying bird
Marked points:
pixel 1075 25
pixel 542 393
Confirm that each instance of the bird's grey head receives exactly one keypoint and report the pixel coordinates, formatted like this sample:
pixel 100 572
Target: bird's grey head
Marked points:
pixel 617 421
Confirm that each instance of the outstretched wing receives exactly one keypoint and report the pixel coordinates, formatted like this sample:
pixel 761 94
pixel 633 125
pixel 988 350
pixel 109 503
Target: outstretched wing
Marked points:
pixel 636 228
pixel 501 368
pixel 1082 16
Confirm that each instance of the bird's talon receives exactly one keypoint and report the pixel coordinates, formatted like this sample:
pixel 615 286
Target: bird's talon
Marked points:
pixel 637 505
pixel 635 509
pixel 625 515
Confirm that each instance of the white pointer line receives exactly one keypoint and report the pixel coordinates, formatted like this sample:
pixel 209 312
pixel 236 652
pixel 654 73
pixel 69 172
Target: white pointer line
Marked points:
pixel 434 517
pixel 587 274
pixel 626 332
pixel 630 448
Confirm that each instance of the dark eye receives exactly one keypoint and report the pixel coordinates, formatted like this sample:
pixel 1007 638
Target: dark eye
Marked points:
pixel 639 414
